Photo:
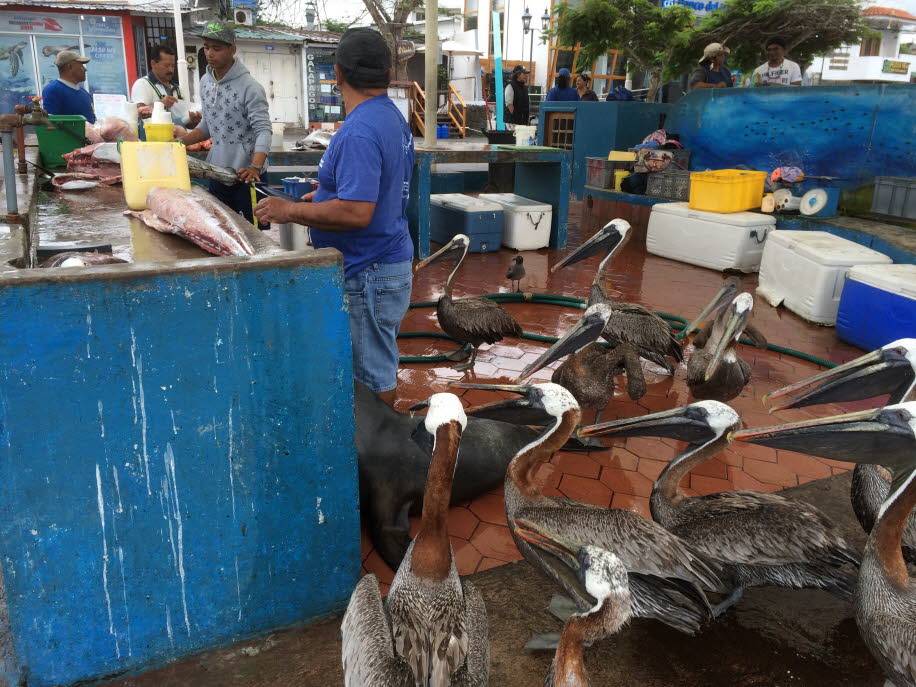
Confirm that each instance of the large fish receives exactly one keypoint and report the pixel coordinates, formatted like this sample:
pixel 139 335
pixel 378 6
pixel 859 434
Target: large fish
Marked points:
pixel 198 217
pixel 73 259
pixel 200 169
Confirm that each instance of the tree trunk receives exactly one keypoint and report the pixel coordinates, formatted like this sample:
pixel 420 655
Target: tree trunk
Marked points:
pixel 655 78
pixel 392 34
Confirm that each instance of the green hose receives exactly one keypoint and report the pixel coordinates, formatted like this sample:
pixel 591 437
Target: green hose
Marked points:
pixel 676 321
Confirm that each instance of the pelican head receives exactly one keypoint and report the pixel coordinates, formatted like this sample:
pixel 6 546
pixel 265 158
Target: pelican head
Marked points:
pixel 537 404
pixel 736 320
pixel 443 409
pixel 455 249
pixel 587 330
pixel 725 296
pixel 890 369
pixel 609 239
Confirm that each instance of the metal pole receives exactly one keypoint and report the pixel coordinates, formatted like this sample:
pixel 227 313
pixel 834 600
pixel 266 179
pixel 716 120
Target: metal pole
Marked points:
pixel 9 174
pixel 531 59
pixel 181 63
pixel 432 72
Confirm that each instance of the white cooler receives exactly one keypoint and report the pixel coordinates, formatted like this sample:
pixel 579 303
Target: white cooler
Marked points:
pixel 710 239
pixel 526 222
pixel 806 270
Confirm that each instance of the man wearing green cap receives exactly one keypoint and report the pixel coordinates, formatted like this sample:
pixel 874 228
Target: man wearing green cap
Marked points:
pixel 235 116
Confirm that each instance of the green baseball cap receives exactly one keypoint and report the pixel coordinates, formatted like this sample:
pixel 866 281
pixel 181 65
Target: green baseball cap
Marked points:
pixel 219 31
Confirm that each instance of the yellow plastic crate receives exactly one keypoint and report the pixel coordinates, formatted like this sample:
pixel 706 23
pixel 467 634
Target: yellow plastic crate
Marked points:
pixel 619 176
pixel 621 156
pixel 726 190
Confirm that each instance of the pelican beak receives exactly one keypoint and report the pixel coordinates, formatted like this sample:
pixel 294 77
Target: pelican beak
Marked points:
pixel 419 406
pixel 683 424
pixel 608 239
pixel 882 436
pixel 886 370
pixel 725 296
pixel 565 549
pixel 450 251
pixel 587 330
pixel 517 411
pixel 733 328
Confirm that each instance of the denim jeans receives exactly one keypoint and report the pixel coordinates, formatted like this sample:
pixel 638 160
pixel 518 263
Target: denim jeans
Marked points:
pixel 378 298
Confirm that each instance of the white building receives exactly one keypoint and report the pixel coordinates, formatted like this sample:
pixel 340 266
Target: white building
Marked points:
pixel 877 59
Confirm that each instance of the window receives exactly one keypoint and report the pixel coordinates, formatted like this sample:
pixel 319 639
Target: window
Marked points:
pixel 159 30
pixel 419 15
pixel 502 33
pixel 470 6
pixel 470 22
pixel 871 47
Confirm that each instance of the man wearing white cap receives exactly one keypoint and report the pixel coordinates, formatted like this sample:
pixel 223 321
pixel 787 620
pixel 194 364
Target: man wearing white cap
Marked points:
pixel 64 96
pixel 712 72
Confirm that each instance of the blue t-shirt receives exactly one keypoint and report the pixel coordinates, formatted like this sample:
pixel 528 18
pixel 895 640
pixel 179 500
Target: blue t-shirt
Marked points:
pixel 369 159
pixel 557 94
pixel 59 99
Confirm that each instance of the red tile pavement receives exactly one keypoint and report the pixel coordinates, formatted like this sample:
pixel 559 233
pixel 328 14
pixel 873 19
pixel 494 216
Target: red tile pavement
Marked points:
pixel 621 477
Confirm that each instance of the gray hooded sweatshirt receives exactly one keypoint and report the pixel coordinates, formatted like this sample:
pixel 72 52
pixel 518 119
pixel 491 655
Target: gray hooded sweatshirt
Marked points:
pixel 235 115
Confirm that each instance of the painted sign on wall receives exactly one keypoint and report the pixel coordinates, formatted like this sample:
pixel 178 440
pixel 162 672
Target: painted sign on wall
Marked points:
pixel 700 7
pixel 894 67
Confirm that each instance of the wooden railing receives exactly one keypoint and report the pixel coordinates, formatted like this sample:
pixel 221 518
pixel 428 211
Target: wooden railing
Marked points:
pixel 456 112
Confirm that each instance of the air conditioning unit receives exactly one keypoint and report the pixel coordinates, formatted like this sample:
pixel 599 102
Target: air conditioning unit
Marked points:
pixel 244 17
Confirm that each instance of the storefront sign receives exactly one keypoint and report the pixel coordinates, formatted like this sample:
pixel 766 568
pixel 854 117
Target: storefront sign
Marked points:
pixel 699 7
pixel 894 67
pixel 107 71
pixel 406 49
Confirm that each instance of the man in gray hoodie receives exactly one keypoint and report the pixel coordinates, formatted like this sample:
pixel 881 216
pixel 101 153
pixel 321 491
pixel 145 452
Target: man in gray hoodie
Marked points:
pixel 235 116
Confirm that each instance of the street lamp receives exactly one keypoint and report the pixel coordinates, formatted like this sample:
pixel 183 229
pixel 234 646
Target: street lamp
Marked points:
pixel 526 21
pixel 526 25
pixel 545 20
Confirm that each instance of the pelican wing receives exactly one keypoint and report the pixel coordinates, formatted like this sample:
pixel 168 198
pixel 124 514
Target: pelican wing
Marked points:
pixel 645 330
pixel 749 527
pixel 367 651
pixel 485 319
pixel 476 670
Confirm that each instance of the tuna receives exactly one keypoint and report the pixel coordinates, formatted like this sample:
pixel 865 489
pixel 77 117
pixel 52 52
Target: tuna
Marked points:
pixel 102 160
pixel 74 259
pixel 198 217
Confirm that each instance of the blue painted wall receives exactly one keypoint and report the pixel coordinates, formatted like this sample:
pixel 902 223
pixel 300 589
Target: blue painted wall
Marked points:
pixel 177 468
pixel 852 132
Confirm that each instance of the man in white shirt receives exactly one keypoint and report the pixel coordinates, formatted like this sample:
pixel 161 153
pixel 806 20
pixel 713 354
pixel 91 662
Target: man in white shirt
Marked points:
pixel 157 85
pixel 777 70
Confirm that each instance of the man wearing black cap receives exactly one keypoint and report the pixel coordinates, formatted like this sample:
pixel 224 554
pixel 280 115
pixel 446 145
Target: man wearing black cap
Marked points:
pixel 516 97
pixel 360 207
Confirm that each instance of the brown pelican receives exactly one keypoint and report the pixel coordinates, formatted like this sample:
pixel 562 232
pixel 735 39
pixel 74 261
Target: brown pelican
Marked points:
pixel 758 539
pixel 473 320
pixel 602 576
pixel 588 372
pixel 666 576
pixel 889 370
pixel 715 371
pixel 516 272
pixel 885 599
pixel 432 630
pixel 633 324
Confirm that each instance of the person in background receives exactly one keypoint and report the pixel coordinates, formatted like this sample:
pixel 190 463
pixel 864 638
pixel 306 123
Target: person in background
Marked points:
pixel 235 116
pixel 583 88
pixel 515 97
pixel 712 72
pixel 158 85
pixel 64 96
pixel 562 92
pixel 360 207
pixel 777 70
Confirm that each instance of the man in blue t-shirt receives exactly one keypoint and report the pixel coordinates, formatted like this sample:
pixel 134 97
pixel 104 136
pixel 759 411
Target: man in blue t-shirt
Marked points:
pixel 360 207
pixel 64 96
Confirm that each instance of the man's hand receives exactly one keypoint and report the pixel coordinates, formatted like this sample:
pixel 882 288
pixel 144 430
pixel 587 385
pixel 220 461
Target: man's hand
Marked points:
pixel 721 84
pixel 309 196
pixel 274 210
pixel 168 101
pixel 194 119
pixel 247 174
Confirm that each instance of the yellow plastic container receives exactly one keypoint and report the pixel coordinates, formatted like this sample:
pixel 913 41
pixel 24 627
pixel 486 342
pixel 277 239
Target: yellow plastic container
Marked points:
pixel 621 156
pixel 145 165
pixel 620 175
pixel 159 133
pixel 726 190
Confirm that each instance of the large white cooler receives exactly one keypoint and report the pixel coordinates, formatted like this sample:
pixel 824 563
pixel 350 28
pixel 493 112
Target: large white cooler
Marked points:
pixel 806 270
pixel 710 239
pixel 526 222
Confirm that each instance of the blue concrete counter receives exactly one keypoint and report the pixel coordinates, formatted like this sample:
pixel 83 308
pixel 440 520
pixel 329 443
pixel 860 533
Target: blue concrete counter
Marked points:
pixel 177 467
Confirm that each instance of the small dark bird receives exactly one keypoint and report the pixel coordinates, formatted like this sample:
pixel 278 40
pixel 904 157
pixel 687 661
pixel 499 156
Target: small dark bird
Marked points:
pixel 516 271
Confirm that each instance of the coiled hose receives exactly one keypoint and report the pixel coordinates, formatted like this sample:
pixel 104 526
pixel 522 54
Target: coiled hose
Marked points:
pixel 676 321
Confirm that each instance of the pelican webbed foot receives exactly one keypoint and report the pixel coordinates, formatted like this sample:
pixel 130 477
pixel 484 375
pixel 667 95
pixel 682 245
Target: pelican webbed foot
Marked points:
pixel 732 599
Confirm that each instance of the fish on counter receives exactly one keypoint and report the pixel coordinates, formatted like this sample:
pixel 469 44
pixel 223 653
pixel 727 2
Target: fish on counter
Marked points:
pixel 317 140
pixel 200 169
pixel 100 161
pixel 81 181
pixel 74 259
pixel 198 217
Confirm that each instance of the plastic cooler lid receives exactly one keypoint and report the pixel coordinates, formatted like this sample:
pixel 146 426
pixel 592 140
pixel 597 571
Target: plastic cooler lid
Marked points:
pixel 459 201
pixel 738 219
pixel 899 279
pixel 826 249
pixel 510 201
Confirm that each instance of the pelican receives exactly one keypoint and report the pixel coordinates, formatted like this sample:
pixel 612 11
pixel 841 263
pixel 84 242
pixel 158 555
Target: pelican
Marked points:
pixel 758 539
pixel 890 369
pixel 473 320
pixel 666 576
pixel 432 631
pixel 602 576
pixel 588 372
pixel 885 599
pixel 632 324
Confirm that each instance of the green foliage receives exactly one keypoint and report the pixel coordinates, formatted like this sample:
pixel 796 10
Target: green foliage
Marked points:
pixel 907 49
pixel 809 27
pixel 337 26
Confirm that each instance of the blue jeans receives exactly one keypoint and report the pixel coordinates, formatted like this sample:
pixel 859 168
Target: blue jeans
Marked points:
pixel 378 298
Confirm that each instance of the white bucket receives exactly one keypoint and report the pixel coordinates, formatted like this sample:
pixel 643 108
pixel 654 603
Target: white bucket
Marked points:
pixel 276 136
pixel 526 135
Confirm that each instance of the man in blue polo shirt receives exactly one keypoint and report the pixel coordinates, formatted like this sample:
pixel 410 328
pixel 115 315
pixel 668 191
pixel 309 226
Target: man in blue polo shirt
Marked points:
pixel 64 96
pixel 360 207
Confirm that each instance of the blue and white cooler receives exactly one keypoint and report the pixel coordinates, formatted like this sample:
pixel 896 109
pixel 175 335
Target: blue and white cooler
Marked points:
pixel 878 305
pixel 454 213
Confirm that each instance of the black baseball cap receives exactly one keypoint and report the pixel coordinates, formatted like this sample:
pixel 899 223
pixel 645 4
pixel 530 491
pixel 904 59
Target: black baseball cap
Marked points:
pixel 364 57
pixel 520 69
